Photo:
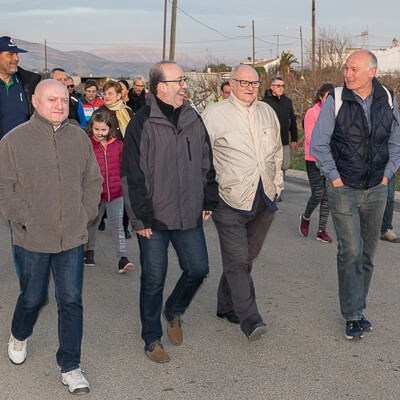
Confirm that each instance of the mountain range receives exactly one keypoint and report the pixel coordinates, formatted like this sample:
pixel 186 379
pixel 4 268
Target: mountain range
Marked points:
pixel 114 62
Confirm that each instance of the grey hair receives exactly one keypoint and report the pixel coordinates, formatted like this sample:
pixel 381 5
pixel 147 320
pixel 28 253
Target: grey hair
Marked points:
pixel 156 75
pixel 274 79
pixel 373 61
pixel 137 78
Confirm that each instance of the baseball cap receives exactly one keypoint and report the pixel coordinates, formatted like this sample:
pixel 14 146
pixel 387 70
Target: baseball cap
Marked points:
pixel 7 44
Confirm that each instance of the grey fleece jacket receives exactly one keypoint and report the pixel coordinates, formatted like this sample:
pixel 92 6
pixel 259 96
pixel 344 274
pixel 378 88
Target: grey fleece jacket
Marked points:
pixel 50 185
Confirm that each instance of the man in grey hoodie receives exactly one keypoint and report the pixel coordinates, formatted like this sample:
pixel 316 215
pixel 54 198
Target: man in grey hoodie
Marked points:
pixel 50 186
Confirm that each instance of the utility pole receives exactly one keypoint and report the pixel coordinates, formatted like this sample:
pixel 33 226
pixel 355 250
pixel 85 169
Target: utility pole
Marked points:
pixel 254 47
pixel 173 31
pixel 313 40
pixel 45 59
pixel 165 30
pixel 301 44
pixel 277 44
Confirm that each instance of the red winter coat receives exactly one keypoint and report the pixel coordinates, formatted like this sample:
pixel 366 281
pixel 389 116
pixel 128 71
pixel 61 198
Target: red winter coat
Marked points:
pixel 109 159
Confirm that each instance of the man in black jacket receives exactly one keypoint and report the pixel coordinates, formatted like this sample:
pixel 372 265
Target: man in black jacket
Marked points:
pixel 283 107
pixel 169 187
pixel 16 87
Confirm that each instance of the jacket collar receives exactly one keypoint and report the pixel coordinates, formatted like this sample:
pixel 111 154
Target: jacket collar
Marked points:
pixel 43 124
pixel 241 104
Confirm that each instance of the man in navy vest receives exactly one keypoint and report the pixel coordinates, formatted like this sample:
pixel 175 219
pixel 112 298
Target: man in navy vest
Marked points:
pixel 16 87
pixel 357 151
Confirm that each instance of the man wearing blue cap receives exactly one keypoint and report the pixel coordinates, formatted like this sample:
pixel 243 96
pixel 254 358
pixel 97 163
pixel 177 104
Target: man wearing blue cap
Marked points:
pixel 16 87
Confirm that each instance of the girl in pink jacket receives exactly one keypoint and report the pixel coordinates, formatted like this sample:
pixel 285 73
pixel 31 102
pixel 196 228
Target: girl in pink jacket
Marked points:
pixel 317 181
pixel 108 151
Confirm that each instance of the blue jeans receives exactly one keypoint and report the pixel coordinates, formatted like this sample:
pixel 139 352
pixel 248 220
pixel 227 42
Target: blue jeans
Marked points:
pixel 190 246
pixel 357 216
pixel 67 268
pixel 388 214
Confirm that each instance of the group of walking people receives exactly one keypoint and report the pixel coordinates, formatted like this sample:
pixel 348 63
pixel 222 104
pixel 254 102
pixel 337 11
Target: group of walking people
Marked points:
pixel 174 169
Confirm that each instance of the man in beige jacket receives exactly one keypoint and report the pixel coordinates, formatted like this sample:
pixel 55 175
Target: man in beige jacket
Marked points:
pixel 50 186
pixel 247 153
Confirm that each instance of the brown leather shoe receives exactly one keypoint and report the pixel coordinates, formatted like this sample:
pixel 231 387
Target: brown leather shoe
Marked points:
pixel 174 327
pixel 157 353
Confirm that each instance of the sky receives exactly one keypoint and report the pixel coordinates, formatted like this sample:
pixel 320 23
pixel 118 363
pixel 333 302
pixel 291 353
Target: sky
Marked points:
pixel 204 27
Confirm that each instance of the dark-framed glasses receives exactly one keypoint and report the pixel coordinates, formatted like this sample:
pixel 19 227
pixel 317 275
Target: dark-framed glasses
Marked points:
pixel 245 84
pixel 180 81
pixel 279 86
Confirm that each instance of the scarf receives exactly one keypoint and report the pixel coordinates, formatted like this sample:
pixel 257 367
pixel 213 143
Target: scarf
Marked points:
pixel 121 111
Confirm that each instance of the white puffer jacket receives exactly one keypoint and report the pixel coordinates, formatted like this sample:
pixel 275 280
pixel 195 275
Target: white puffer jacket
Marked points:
pixel 246 145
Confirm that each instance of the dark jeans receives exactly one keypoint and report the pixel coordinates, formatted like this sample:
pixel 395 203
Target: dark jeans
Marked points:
pixel 357 216
pixel 388 214
pixel 190 246
pixel 67 268
pixel 241 238
pixel 318 195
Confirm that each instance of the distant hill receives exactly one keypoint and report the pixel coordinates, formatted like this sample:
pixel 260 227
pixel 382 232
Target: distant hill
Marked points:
pixel 78 62
pixel 126 61
pixel 144 54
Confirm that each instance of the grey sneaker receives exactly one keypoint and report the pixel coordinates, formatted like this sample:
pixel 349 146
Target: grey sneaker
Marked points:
pixel 17 350
pixel 76 382
pixel 390 236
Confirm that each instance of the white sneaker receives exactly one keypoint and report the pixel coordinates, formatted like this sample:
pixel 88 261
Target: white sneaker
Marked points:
pixel 75 381
pixel 17 350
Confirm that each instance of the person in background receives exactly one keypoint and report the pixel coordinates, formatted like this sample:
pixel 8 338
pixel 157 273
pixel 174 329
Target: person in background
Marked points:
pixel 120 115
pixel 50 184
pixel 358 150
pixel 316 179
pixel 225 91
pixel 387 232
pixel 283 106
pixel 125 93
pixel 90 100
pixel 71 88
pixel 137 94
pixel 108 151
pixel 75 108
pixel 16 87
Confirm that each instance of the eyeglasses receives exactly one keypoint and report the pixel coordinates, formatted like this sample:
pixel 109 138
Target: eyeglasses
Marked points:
pixel 254 84
pixel 142 86
pixel 279 86
pixel 181 81
pixel 91 91
pixel 70 86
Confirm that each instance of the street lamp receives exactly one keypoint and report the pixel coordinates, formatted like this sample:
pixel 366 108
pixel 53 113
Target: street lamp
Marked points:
pixel 252 34
pixel 301 43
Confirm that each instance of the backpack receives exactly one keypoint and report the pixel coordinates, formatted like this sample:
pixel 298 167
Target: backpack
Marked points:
pixel 339 101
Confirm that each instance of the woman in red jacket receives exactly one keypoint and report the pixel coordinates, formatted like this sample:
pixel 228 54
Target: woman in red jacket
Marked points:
pixel 108 151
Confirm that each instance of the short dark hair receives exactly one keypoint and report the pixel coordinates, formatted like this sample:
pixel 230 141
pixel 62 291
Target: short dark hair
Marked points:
pixel 226 83
pixel 156 75
pixel 54 70
pixel 274 79
pixel 89 83
pixel 125 83
pixel 322 91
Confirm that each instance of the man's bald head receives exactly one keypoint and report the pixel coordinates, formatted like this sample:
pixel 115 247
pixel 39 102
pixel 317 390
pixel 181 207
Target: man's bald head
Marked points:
pixel 243 79
pixel 51 101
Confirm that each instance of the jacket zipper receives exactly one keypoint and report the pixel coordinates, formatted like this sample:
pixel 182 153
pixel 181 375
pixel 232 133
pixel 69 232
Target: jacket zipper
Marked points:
pixel 59 185
pixel 188 146
pixel 106 165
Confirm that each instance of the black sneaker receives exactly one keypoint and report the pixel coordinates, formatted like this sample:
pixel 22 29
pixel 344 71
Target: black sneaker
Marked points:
pixel 256 331
pixel 124 265
pixel 88 258
pixel 365 324
pixel 127 234
pixel 353 330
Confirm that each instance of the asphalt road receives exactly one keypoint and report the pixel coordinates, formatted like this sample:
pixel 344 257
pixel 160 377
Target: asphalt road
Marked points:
pixel 304 355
